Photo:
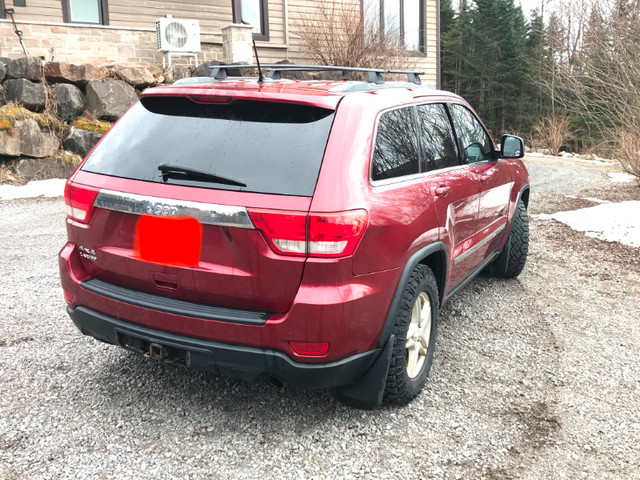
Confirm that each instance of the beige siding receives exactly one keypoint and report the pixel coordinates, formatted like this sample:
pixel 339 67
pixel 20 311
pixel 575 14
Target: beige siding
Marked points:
pixel 38 11
pixel 300 11
pixel 212 14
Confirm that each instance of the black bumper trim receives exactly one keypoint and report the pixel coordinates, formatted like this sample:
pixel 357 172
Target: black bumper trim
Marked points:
pixel 175 306
pixel 248 363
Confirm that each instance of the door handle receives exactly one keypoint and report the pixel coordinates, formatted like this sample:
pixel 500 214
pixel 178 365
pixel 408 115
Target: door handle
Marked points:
pixel 443 190
pixel 486 177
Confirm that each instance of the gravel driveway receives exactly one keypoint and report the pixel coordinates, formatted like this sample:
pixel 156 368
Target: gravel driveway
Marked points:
pixel 536 377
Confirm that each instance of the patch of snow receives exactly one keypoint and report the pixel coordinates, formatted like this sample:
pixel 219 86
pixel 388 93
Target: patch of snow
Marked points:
pixel 613 222
pixel 596 200
pixel 621 177
pixel 592 162
pixel 54 187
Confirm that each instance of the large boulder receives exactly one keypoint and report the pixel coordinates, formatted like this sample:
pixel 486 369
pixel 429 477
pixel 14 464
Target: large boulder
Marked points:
pixel 32 95
pixel 176 72
pixel 136 76
pixel 3 71
pixel 60 72
pixel 204 69
pixel 81 141
pixel 41 169
pixel 108 100
pixel 26 139
pixel 26 67
pixel 3 96
pixel 69 100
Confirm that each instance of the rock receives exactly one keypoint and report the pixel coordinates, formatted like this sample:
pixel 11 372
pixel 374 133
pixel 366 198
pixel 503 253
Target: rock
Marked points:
pixel 176 72
pixel 26 67
pixel 204 69
pixel 69 100
pixel 32 95
pixel 81 141
pixel 3 71
pixel 5 61
pixel 330 75
pixel 3 96
pixel 27 140
pixel 60 72
pixel 40 169
pixel 109 99
pixel 157 72
pixel 136 76
pixel 294 75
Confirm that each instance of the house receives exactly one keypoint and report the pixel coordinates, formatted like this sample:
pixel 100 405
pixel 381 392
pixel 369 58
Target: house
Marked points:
pixel 120 31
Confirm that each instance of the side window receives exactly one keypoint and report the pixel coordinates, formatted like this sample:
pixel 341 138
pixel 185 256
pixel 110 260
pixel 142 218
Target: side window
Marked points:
pixel 85 11
pixel 395 153
pixel 438 142
pixel 474 141
pixel 255 13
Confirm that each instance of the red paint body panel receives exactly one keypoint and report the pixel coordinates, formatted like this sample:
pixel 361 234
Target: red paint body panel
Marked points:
pixel 341 301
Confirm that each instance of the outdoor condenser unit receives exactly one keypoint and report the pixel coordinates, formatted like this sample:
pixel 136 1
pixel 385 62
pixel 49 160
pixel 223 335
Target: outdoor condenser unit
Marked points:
pixel 178 35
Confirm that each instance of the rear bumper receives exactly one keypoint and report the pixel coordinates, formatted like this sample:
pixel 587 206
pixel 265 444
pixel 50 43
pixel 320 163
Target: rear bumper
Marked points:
pixel 248 363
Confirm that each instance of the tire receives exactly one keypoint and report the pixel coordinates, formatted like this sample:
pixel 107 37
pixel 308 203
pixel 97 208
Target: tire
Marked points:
pixel 410 367
pixel 518 242
pixel 511 261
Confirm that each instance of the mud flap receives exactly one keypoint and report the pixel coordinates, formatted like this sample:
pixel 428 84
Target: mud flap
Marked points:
pixel 367 393
pixel 499 266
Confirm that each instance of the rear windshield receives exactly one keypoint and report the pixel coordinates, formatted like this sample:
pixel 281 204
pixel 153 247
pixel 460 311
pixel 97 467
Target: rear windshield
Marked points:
pixel 269 147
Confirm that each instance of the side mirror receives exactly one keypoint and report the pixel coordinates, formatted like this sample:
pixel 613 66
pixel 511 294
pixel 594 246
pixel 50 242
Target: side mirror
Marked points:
pixel 511 147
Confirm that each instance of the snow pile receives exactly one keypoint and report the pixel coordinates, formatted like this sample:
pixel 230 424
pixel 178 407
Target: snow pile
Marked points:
pixel 621 177
pixel 613 222
pixel 53 187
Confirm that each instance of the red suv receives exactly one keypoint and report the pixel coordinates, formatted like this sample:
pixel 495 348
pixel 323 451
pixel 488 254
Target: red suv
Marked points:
pixel 306 231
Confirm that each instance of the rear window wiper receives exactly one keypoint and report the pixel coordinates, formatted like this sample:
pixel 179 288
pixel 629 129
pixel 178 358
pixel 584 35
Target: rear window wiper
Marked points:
pixel 170 169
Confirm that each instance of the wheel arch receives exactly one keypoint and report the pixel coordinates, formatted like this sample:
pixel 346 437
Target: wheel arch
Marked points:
pixel 524 196
pixel 433 256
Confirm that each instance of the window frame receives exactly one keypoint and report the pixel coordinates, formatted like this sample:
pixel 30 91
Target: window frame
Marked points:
pixel 494 154
pixel 103 9
pixel 422 174
pixel 264 18
pixel 422 44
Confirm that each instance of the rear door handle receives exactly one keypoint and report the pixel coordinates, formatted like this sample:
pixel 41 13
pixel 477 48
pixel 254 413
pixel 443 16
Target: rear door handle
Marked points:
pixel 443 190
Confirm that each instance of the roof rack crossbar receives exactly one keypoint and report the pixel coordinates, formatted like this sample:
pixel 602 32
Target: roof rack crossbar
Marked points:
pixel 374 75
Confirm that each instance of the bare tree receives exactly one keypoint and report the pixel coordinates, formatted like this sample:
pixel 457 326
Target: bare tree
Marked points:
pixel 338 33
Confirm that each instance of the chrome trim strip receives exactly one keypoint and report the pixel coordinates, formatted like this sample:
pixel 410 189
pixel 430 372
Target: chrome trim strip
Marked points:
pixel 207 213
pixel 480 244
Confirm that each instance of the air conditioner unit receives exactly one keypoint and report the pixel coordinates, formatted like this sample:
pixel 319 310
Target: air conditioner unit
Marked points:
pixel 178 35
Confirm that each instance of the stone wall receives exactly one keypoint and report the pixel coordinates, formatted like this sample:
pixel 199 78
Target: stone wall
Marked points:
pixel 95 44
pixel 52 114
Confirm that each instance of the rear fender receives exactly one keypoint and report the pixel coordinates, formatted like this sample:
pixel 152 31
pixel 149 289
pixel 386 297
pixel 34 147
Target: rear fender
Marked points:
pixel 435 257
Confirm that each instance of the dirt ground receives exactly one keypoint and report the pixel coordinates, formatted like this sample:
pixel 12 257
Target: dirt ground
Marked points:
pixel 536 377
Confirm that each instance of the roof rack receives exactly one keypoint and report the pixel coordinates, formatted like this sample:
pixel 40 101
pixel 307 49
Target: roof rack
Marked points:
pixel 374 75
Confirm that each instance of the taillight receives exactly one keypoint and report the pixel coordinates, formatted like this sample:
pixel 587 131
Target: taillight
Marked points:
pixel 286 231
pixel 79 200
pixel 315 234
pixel 335 234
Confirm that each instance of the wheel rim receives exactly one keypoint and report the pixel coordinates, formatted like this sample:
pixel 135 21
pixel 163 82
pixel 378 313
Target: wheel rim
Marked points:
pixel 418 335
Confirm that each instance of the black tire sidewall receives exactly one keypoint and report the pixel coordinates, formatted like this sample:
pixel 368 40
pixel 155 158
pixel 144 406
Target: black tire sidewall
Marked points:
pixel 401 389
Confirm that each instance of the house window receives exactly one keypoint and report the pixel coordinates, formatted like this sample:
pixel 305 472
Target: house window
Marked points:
pixel 400 19
pixel 255 13
pixel 85 11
